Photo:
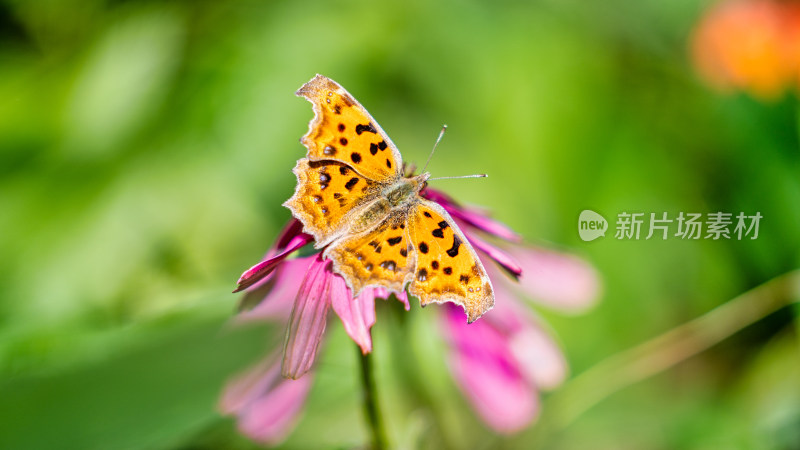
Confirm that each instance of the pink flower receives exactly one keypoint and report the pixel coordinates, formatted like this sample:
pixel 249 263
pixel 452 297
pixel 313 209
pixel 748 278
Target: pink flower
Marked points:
pixel 319 290
pixel 268 397
pixel 502 361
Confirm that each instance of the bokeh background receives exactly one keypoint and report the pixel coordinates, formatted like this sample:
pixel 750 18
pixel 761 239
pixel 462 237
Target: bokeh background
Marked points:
pixel 146 147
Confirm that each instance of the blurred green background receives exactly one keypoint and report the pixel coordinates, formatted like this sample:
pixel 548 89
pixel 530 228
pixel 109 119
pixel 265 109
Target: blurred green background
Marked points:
pixel 146 147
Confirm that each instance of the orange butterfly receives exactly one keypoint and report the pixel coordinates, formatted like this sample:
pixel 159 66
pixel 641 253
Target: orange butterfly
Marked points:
pixel 352 197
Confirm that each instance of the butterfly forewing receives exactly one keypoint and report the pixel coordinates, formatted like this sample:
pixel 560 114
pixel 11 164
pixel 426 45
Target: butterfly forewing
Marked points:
pixel 343 130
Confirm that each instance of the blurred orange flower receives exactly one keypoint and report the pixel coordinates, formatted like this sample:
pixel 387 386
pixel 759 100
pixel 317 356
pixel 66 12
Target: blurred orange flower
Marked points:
pixel 750 45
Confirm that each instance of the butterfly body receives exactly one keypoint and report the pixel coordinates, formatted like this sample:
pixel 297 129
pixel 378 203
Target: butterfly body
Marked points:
pixel 372 221
pixel 395 199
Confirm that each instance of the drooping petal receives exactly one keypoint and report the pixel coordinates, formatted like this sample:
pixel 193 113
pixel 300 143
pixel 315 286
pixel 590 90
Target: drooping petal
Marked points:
pixel 538 356
pixel 266 405
pixel 292 229
pixel 307 323
pixel 357 314
pixel 491 226
pixel 403 297
pixel 242 389
pixel 508 314
pixel 558 280
pixel 502 258
pixel 261 270
pixel 488 374
pixel 472 216
pixel 277 303
pixel 382 292
pixel 272 417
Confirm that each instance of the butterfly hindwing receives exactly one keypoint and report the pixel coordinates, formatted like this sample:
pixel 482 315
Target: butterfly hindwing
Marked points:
pixel 326 193
pixel 343 130
pixel 380 257
pixel 447 267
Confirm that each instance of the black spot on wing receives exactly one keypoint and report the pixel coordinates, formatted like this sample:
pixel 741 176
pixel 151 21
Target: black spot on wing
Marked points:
pixel 368 127
pixel 394 240
pixel 453 251
pixel 351 183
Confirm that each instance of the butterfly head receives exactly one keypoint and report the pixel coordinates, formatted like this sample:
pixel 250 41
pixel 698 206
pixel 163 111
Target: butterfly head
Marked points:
pixel 405 189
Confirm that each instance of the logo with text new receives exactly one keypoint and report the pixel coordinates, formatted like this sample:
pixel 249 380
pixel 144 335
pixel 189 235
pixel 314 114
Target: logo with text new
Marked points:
pixel 591 225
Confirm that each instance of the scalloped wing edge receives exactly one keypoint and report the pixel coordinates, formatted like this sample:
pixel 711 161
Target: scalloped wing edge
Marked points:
pixel 320 82
pixel 299 213
pixel 348 277
pixel 487 302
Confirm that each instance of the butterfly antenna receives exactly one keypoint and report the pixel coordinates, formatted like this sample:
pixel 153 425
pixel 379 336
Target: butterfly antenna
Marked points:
pixel 438 139
pixel 479 175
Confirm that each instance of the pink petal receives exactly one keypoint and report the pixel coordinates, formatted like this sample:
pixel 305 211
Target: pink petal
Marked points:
pixel 499 256
pixel 258 272
pixel 266 405
pixel 472 216
pixel 508 314
pixel 561 281
pixel 403 297
pixel 307 323
pixel 487 373
pixel 439 197
pixel 292 229
pixel 271 418
pixel 248 385
pixel 380 292
pixel 278 302
pixel 358 315
pixel 539 357
pixel 488 225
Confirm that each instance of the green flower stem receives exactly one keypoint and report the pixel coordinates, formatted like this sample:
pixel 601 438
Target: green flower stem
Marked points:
pixel 371 409
pixel 665 351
